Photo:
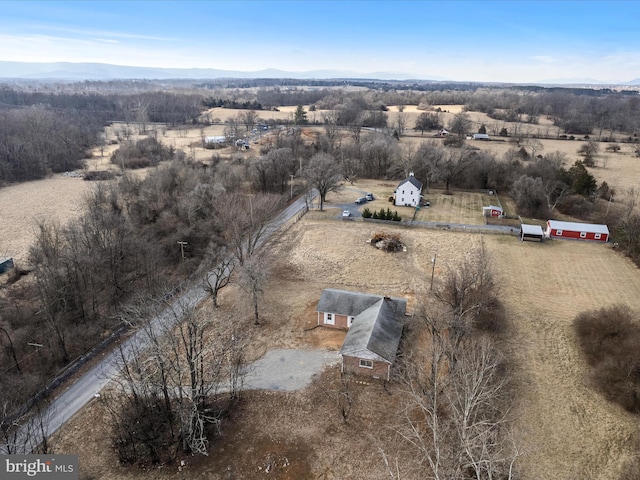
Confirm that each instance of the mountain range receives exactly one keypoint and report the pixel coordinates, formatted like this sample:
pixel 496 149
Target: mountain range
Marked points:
pixel 103 71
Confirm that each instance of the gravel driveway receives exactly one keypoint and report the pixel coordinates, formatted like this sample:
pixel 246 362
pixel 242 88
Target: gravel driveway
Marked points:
pixel 287 370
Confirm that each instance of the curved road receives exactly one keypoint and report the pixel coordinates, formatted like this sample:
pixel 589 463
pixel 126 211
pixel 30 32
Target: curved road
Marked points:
pixel 82 391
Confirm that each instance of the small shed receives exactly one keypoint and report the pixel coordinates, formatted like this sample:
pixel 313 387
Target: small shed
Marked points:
pixel 215 140
pixel 492 211
pixel 575 230
pixel 481 136
pixel 533 233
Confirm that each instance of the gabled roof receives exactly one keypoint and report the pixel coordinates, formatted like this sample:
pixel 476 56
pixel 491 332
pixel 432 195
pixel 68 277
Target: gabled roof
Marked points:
pixel 578 227
pixel 375 333
pixel 413 181
pixel 343 302
pixel 377 326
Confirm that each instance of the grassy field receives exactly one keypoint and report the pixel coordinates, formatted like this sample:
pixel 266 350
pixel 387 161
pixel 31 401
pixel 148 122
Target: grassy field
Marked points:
pixel 565 430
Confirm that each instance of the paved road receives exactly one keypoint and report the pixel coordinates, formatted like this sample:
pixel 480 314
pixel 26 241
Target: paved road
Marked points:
pixel 82 391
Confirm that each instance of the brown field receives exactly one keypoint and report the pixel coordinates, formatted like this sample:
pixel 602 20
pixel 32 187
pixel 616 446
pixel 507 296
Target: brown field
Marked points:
pixel 565 430
pixel 57 197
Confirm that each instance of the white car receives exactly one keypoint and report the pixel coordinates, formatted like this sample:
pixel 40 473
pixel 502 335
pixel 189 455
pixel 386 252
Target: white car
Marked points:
pixel 346 213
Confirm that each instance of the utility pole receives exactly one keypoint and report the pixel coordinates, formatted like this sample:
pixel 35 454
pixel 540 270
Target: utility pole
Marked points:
pixel 182 244
pixel 433 268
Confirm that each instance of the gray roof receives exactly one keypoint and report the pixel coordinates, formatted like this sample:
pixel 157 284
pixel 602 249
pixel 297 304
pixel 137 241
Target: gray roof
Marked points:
pixel 343 302
pixel 377 327
pixel 413 180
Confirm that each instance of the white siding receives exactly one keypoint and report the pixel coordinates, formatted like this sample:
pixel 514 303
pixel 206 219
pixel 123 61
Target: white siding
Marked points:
pixel 407 194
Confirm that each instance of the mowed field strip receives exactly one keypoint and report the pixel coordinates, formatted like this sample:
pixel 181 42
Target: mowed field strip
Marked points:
pixel 567 430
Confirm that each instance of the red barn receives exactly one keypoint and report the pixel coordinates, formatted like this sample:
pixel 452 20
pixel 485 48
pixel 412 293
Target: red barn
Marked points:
pixel 580 231
pixel 492 211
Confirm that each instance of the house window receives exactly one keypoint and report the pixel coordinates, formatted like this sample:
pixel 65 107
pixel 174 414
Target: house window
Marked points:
pixel 583 234
pixel 366 363
pixel 328 319
pixel 597 236
pixel 403 192
pixel 559 232
pixel 350 320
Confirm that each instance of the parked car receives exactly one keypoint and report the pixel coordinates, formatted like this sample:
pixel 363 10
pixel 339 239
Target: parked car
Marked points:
pixel 361 200
pixel 346 213
pixel 369 196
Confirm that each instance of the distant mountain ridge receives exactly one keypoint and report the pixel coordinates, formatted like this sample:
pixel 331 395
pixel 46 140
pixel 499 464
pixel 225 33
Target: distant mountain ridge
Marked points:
pixel 103 71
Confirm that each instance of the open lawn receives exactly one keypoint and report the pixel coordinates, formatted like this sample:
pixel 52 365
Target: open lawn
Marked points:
pixel 565 430
pixel 456 207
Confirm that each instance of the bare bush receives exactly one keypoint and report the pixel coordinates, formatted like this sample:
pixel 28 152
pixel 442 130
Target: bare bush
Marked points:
pixel 609 338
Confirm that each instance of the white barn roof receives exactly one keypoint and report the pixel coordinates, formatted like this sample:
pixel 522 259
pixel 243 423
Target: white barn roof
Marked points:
pixel 531 230
pixel 578 227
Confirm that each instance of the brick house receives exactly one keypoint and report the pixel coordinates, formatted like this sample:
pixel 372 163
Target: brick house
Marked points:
pixel 374 323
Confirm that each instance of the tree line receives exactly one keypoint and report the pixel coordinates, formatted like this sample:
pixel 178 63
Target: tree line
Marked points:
pixel 43 133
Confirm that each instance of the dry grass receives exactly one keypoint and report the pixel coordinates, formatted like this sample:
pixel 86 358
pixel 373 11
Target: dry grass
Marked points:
pixel 566 429
pixel 23 205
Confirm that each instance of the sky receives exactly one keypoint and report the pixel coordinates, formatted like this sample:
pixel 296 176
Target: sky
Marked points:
pixel 484 41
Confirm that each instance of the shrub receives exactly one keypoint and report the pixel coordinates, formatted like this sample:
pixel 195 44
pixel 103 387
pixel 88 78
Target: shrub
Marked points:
pixel 610 340
pixel 366 213
pixel 453 141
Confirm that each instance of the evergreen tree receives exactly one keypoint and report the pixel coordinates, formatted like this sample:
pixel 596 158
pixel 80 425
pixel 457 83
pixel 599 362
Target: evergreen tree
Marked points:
pixel 300 116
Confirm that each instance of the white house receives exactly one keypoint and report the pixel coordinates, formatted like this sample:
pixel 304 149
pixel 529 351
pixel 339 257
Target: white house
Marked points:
pixel 408 192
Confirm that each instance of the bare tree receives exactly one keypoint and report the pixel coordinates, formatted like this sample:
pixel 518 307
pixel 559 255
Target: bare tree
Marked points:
pixel 324 174
pixel 245 219
pixel 452 166
pixel 460 123
pixel 220 265
pixel 454 391
pixel 342 397
pixel 253 273
pixel 170 396
pixel 330 120
pixel 249 119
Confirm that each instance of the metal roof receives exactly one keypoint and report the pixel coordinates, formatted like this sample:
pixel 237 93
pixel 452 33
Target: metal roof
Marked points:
pixel 531 229
pixel 578 227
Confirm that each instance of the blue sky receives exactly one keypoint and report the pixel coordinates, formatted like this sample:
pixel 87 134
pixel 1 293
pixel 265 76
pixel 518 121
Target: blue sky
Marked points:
pixel 507 41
